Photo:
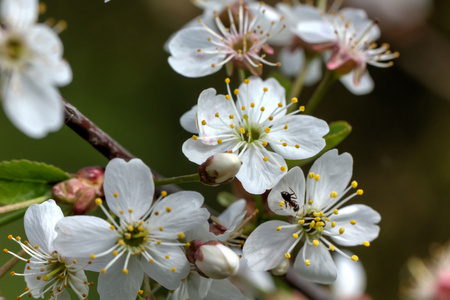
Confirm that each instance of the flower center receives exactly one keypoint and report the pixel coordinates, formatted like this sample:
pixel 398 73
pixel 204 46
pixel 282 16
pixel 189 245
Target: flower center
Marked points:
pixel 135 236
pixel 14 49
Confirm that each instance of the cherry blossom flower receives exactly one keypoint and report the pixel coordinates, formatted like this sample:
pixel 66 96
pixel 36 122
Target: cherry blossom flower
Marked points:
pixel 143 240
pixel 197 51
pixel 31 65
pixel 47 270
pixel 313 218
pixel 350 35
pixel 257 119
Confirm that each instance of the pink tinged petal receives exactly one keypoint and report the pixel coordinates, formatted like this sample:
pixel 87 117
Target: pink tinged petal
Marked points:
pixel 81 236
pixel 365 228
pixel 33 106
pixel 364 87
pixel 233 214
pixel 198 152
pixel 305 131
pixel 177 213
pixel 293 183
pixel 335 172
pixel 315 32
pixel 128 188
pixel 253 92
pixel 321 268
pixel 19 14
pixel 189 120
pixel 208 105
pixel 116 285
pixel 266 247
pixel 257 175
pixel 39 223
pixel 166 271
pixel 339 59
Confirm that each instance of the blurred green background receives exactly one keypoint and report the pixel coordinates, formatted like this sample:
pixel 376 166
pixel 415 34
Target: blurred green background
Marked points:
pixel 400 137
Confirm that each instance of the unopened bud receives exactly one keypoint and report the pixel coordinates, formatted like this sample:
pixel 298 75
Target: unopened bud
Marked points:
pixel 81 190
pixel 219 168
pixel 212 259
pixel 282 268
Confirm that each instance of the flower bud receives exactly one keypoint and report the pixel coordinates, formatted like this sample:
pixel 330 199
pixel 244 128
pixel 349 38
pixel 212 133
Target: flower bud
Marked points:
pixel 81 190
pixel 282 268
pixel 212 259
pixel 219 168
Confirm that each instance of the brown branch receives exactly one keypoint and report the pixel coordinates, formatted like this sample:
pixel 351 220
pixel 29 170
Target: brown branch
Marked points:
pixel 11 263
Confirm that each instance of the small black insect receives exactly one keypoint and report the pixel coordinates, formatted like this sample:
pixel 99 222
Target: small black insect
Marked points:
pixel 290 198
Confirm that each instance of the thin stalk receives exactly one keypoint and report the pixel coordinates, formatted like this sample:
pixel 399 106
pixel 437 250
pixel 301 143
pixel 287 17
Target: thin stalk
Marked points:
pixel 241 74
pixel 178 179
pixel 327 80
pixel 21 205
pixel 11 263
pixel 297 86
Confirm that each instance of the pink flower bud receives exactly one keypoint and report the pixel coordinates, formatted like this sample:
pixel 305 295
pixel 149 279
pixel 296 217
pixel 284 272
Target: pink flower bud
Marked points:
pixel 212 259
pixel 219 168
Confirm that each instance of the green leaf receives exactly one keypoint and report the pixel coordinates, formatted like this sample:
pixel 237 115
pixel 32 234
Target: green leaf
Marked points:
pixel 22 180
pixel 339 130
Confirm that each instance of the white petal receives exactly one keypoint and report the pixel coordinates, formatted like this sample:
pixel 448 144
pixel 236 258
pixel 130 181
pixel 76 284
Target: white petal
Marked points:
pixel 200 233
pixel 31 280
pixel 161 269
pixel 293 183
pixel 39 223
pixel 132 183
pixel 44 41
pixel 361 22
pixel 116 285
pixel 81 236
pixel 335 172
pixel 257 175
pixel 365 228
pixel 321 269
pixel 194 66
pixel 223 290
pixel 189 120
pixel 364 87
pixel 198 152
pixel 305 131
pixel 233 214
pixel 351 280
pixel 33 106
pixel 315 32
pixel 19 14
pixel 291 61
pixel 314 72
pixel 177 213
pixel 265 247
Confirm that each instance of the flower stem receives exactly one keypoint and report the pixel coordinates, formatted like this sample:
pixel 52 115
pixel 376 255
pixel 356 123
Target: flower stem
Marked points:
pixel 327 80
pixel 11 263
pixel 297 86
pixel 178 179
pixel 241 74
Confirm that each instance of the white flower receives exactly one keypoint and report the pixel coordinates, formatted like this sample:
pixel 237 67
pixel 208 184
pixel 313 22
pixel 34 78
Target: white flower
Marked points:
pixel 31 66
pixel 198 51
pixel 256 120
pixel 351 280
pixel 350 35
pixel 219 168
pixel 313 218
pixel 47 270
pixel 143 240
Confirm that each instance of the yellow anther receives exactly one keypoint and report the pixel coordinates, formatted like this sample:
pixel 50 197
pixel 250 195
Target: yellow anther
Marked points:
pixel 130 228
pixel 168 209
pixel 121 211
pixel 231 117
pixel 159 242
pixel 160 228
pixel 10 236
pixel 152 260
pixel 294 100
pixel 320 228
pixel 103 271
pixel 320 224
pixel 236 91
pixel 316 214
pixel 116 194
pixel 321 214
pixel 252 105
pixel 297 146
pixel 204 122
pixel 341 230
pixel 164 193
pixel 167 256
pixel 331 247
pixel 98 201
pixel 284 144
pixel 333 224
pixel 317 177
pixel 262 108
pixel 353 222
pixel 140 292
pixel 125 271
pixel 355 258
pixel 278 228
pixel 188 244
pixel 335 211
pixel 270 118
pixel 316 243
pixel 231 126
pixel 130 211
pixel 333 194
pixel 227 97
pixel 265 89
pixel 327 219
pixel 317 219
pixel 295 235
pixel 264 144
pixel 287 255
pixel 194 137
pixel 213 65
pixel 307 262
pixel 285 127
pixel 311 175
pixel 366 243
pixel 173 269
pixel 310 202
pixel 241 130
pixel 12 273
pixel 281 204
pixel 265 159
pixel 359 192
pixel 227 80
pixel 181 235
pixel 112 227
pixel 127 236
pixel 282 168
pixel 301 222
pixel 246 81
pixel 38 277
pixel 280 104
pixel 312 224
pixel 354 184
pixel 301 108
pixel 216 114
pixel 243 108
pixel 115 252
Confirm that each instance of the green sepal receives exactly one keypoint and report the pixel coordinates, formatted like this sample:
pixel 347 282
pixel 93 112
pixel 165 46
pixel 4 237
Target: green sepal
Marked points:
pixel 22 180
pixel 339 130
